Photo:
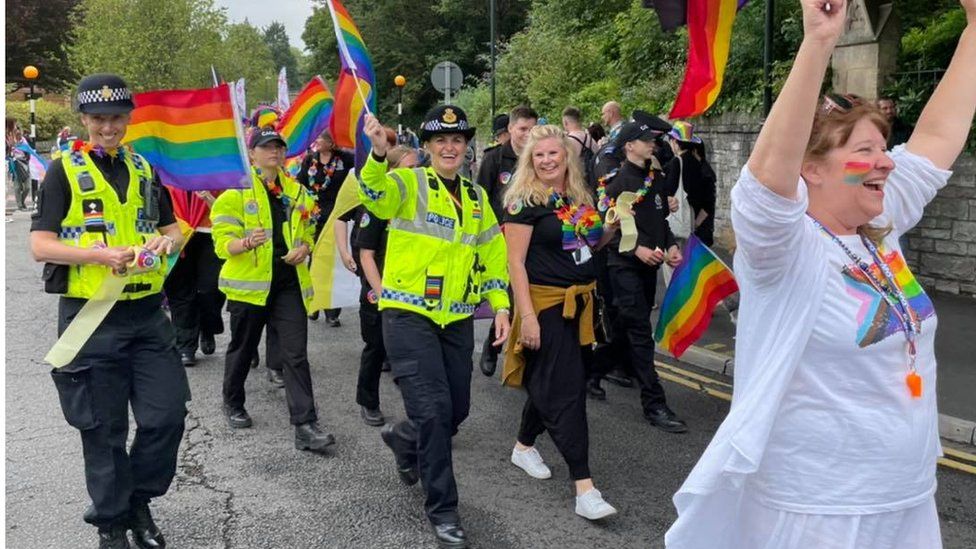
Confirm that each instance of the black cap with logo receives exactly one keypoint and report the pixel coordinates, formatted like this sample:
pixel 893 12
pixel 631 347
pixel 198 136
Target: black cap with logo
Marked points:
pixel 445 119
pixel 103 94
pixel 264 136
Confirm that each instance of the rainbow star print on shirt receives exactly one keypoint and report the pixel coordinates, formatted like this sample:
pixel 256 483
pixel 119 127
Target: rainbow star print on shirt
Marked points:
pixel 876 317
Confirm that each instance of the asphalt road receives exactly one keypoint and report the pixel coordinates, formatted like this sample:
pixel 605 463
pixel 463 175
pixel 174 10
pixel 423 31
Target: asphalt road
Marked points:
pixel 252 489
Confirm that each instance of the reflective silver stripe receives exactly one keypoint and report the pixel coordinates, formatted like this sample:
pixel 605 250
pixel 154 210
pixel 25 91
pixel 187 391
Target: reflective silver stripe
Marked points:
pixel 422 188
pixel 308 292
pixel 421 227
pixel 228 219
pixel 401 185
pixel 249 285
pixel 468 239
pixel 486 236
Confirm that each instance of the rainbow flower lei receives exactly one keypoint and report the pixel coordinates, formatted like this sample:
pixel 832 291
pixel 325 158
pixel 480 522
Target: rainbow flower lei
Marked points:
pixel 582 225
pixel 604 202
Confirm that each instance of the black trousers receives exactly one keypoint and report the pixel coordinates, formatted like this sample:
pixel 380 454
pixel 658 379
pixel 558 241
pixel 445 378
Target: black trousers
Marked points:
pixel 633 291
pixel 194 300
pixel 287 324
pixel 432 366
pixel 130 360
pixel 374 353
pixel 555 380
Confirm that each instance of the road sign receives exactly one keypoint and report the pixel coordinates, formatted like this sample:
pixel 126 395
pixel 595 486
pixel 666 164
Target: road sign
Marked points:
pixel 446 78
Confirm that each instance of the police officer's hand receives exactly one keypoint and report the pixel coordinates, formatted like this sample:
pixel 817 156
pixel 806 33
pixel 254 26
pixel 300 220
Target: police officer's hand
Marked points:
pixel 348 261
pixel 651 257
pixel 377 135
pixel 674 256
pixel 673 203
pixel 118 257
pixel 503 327
pixel 160 245
pixel 530 337
pixel 296 255
pixel 258 237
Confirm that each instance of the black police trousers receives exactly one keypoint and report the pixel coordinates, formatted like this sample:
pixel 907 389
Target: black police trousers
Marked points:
pixel 130 360
pixel 195 303
pixel 555 380
pixel 284 315
pixel 432 366
pixel 374 353
pixel 634 289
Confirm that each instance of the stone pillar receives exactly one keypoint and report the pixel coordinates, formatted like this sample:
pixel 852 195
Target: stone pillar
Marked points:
pixel 867 52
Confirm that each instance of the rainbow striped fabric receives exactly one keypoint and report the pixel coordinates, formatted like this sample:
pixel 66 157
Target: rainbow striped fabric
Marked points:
pixel 192 138
pixel 698 283
pixel 354 94
pixel 308 116
pixel 709 38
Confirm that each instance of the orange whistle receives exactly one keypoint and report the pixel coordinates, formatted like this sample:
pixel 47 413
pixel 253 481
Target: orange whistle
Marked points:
pixel 914 382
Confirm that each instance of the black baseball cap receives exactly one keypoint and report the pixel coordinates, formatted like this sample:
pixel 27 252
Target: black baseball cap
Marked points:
pixel 633 131
pixel 499 124
pixel 265 136
pixel 103 93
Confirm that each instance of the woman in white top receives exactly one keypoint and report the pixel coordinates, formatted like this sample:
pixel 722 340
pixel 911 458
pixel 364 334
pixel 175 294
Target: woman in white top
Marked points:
pixel 832 438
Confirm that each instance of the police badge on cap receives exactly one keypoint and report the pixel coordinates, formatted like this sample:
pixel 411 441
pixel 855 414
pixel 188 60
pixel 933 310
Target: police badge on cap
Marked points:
pixel 103 94
pixel 445 119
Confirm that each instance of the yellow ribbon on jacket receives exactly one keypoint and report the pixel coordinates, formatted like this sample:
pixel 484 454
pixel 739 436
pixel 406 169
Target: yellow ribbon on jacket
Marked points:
pixel 545 297
pixel 91 315
pixel 622 212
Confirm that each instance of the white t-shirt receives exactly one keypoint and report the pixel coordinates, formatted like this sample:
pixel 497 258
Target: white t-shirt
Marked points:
pixel 849 438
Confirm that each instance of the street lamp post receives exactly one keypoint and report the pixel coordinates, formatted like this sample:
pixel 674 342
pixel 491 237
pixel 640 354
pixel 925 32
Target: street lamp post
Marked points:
pixel 400 82
pixel 31 73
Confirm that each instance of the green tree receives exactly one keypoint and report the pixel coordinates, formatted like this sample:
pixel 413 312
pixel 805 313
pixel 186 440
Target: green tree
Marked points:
pixel 281 52
pixel 32 39
pixel 244 54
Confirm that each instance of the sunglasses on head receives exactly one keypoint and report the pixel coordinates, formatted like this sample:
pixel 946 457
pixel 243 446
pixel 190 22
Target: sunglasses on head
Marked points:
pixel 840 103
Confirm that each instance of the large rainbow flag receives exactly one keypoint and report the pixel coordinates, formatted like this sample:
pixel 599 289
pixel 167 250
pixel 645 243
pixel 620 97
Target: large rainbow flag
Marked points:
pixel 354 92
pixel 334 286
pixel 308 116
pixel 698 283
pixel 192 138
pixel 709 39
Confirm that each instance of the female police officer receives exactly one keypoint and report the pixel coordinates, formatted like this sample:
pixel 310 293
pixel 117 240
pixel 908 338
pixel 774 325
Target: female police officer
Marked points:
pixel 99 204
pixel 444 253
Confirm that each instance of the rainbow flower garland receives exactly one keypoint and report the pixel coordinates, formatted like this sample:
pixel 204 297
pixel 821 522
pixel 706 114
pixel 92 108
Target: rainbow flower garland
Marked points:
pixel 604 202
pixel 275 189
pixel 582 225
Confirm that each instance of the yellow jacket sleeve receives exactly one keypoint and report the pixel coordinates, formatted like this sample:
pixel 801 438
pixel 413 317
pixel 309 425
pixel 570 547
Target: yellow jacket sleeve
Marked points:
pixel 493 255
pixel 308 225
pixel 385 194
pixel 228 224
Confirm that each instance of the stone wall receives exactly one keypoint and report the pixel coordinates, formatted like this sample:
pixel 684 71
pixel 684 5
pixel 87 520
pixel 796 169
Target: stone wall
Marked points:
pixel 941 249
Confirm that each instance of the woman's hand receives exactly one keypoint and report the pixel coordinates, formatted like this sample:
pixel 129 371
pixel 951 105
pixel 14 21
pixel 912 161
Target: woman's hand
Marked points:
pixel 651 257
pixel 377 135
pixel 117 258
pixel 530 336
pixel 160 245
pixel 503 327
pixel 296 255
pixel 674 256
pixel 824 20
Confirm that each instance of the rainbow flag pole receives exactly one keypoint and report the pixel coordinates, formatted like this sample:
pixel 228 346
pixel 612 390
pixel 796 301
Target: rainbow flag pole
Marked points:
pixel 697 285
pixel 355 88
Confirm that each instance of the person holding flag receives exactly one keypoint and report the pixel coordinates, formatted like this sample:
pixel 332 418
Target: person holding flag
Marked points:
pixel 444 253
pixel 833 437
pixel 102 216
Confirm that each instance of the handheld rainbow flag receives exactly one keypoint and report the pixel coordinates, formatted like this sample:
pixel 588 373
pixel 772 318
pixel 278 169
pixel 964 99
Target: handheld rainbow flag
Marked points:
pixel 354 95
pixel 709 38
pixel 307 117
pixel 698 283
pixel 192 138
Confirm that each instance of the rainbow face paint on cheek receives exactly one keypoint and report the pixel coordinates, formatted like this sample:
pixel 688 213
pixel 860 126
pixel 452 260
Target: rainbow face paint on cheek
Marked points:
pixel 856 172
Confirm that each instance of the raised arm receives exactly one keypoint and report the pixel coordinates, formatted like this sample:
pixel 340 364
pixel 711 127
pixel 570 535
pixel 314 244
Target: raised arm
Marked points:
pixel 380 193
pixel 947 118
pixel 778 155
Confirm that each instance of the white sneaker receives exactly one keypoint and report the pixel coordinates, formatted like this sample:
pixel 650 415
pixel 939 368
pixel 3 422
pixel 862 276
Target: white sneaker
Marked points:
pixel 531 462
pixel 592 506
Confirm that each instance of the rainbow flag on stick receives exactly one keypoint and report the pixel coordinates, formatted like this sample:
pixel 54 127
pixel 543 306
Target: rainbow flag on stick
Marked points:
pixel 709 39
pixel 698 283
pixel 192 138
pixel 354 89
pixel 308 116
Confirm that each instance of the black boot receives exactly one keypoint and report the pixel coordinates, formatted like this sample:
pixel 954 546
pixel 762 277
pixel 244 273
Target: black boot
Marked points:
pixel 450 536
pixel 407 470
pixel 113 538
pixel 309 436
pixel 144 530
pixel 188 358
pixel 664 419
pixel 207 344
pixel 489 358
pixel 593 389
pixel 620 378
pixel 276 379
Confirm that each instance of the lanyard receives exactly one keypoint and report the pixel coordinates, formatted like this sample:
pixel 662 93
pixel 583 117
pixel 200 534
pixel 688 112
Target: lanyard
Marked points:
pixel 910 324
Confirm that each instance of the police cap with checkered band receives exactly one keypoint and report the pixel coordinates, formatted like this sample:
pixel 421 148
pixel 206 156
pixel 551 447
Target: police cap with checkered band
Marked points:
pixel 103 94
pixel 445 119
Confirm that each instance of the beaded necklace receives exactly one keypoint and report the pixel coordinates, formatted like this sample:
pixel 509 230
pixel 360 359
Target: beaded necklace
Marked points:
pixel 582 225
pixel 330 169
pixel 604 202
pixel 278 192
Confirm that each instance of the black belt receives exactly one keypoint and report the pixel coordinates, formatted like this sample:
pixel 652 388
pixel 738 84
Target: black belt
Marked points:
pixel 136 287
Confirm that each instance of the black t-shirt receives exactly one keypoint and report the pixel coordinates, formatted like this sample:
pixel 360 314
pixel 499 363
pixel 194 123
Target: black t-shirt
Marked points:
pixel 650 214
pixel 371 236
pixel 314 175
pixel 546 262
pixel 54 194
pixel 282 274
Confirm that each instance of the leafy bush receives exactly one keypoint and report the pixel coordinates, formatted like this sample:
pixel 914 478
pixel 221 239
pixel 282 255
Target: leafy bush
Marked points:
pixel 50 117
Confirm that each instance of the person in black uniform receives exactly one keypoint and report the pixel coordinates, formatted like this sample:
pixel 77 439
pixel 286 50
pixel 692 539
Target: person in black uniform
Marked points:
pixel 130 359
pixel 323 171
pixel 499 132
pixel 690 168
pixel 633 274
pixel 195 303
pixel 496 171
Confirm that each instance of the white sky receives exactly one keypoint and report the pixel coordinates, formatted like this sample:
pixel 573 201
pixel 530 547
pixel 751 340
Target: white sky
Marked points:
pixel 260 13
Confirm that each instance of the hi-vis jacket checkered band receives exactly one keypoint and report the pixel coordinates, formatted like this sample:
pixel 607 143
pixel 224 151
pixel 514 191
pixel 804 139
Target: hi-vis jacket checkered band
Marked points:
pixel 104 95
